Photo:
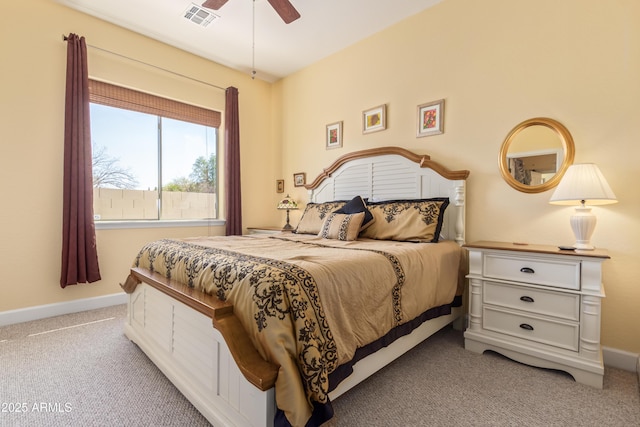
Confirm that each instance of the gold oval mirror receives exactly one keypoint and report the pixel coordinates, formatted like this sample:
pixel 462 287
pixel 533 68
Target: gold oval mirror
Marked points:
pixel 535 155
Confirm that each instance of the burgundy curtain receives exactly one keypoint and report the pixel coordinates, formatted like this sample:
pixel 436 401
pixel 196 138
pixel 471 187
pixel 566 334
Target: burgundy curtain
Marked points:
pixel 79 252
pixel 232 163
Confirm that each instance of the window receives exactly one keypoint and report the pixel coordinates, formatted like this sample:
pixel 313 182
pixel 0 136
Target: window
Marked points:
pixel 153 158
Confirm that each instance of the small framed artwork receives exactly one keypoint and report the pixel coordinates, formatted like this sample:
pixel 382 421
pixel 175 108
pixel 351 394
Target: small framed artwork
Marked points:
pixel 431 118
pixel 299 179
pixel 374 119
pixel 334 135
pixel 279 185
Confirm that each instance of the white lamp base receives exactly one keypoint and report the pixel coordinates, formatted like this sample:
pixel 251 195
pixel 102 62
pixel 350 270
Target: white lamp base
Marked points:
pixel 583 222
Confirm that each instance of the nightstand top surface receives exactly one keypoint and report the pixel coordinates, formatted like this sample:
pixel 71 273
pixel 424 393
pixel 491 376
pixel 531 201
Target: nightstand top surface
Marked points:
pixel 269 228
pixel 546 249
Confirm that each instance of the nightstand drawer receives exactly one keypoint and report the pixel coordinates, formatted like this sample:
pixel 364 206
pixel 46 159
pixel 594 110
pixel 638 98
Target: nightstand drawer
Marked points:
pixel 537 301
pixel 545 331
pixel 535 270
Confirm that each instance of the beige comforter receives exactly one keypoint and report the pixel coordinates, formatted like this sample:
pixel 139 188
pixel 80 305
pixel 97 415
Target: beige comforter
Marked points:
pixel 308 303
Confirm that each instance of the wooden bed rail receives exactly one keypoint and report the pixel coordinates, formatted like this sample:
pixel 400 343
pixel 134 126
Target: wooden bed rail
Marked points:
pixel 255 369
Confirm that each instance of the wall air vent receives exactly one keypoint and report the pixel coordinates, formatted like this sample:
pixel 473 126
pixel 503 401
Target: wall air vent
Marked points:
pixel 200 16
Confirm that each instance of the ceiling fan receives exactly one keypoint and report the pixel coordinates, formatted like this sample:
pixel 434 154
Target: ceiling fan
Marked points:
pixel 285 9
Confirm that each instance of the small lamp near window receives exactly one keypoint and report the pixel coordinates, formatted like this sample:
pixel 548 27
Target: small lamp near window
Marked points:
pixel 287 204
pixel 583 184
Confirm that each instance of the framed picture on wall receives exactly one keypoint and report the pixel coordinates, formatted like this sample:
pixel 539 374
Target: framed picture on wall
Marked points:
pixel 299 179
pixel 374 119
pixel 334 135
pixel 279 185
pixel 431 118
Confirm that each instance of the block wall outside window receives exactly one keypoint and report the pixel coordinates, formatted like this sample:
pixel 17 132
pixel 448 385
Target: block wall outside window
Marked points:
pixel 116 205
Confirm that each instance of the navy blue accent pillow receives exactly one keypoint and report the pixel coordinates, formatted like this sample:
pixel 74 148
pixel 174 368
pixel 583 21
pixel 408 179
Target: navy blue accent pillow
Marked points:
pixel 354 206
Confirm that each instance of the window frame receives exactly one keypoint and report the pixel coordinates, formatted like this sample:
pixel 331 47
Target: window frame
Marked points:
pixel 111 95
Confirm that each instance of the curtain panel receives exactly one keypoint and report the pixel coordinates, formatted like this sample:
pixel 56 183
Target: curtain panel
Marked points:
pixel 79 250
pixel 232 163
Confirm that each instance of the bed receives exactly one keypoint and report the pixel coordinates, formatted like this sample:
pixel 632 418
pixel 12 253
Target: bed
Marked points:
pixel 266 330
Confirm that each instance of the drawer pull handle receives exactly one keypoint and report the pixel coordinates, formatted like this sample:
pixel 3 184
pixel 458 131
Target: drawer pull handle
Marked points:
pixel 527 270
pixel 526 299
pixel 526 326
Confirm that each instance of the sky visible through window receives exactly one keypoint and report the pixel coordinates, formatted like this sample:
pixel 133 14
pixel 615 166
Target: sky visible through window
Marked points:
pixel 132 138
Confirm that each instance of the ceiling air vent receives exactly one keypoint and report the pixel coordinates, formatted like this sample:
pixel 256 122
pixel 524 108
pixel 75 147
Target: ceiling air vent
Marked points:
pixel 200 16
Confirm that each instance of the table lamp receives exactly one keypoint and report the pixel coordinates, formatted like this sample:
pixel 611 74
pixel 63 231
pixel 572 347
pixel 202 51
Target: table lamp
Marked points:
pixel 287 204
pixel 582 185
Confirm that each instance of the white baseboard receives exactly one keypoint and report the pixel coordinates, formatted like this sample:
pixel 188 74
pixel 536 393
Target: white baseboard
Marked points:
pixel 621 359
pixel 57 309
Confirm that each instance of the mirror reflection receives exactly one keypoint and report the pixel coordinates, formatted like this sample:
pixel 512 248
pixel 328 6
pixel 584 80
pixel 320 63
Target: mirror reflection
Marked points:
pixel 535 155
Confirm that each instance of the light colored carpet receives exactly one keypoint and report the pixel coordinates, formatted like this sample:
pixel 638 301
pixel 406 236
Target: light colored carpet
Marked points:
pixel 88 375
pixel 80 370
pixel 439 383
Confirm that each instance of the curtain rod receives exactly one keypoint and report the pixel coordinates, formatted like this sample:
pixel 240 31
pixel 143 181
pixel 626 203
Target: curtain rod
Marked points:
pixel 65 38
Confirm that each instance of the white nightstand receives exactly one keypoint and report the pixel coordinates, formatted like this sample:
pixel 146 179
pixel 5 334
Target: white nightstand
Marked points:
pixel 538 305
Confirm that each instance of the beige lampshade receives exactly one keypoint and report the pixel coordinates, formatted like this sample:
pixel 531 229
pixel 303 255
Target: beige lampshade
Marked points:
pixel 583 182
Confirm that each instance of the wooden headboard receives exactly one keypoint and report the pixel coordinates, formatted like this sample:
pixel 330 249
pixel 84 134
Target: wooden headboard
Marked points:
pixel 394 173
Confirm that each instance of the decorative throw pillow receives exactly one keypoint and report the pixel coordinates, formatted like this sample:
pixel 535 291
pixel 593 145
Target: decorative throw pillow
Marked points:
pixel 357 205
pixel 315 214
pixel 417 220
pixel 341 226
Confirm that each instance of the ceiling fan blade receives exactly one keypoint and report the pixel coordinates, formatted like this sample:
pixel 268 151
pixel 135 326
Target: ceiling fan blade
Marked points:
pixel 214 4
pixel 285 9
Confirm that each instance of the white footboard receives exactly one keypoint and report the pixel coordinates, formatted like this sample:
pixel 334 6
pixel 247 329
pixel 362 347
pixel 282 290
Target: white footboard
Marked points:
pixel 187 348
pixel 193 355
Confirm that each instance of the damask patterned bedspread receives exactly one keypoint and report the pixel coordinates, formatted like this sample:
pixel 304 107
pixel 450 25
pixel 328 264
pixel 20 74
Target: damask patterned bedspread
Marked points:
pixel 308 303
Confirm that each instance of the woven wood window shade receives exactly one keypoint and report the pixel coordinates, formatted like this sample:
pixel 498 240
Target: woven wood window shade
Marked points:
pixel 120 97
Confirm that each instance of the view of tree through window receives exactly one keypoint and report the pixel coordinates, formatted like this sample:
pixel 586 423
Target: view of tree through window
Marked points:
pixel 150 167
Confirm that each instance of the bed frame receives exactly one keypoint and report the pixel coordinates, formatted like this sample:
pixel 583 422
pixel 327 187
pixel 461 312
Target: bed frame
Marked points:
pixel 217 368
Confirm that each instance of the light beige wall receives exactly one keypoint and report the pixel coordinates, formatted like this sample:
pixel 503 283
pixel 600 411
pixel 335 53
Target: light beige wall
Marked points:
pixel 497 63
pixel 31 143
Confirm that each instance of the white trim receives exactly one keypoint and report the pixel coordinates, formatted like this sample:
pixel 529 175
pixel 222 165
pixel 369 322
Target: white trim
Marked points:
pixel 620 359
pixel 57 309
pixel 115 225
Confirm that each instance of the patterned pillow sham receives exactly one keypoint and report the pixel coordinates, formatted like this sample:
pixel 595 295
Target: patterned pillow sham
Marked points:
pixel 314 215
pixel 357 205
pixel 342 226
pixel 417 220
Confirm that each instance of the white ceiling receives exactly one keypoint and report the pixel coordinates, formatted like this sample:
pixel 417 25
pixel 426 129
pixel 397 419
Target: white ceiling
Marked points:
pixel 325 27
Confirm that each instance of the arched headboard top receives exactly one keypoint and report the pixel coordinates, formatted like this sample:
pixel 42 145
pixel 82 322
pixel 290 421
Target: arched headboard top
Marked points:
pixel 394 173
pixel 424 160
